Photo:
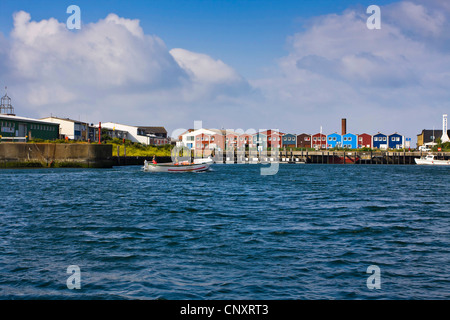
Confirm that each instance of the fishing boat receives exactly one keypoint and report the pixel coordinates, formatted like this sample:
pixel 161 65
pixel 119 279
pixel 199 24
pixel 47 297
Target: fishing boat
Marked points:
pixel 429 159
pixel 175 167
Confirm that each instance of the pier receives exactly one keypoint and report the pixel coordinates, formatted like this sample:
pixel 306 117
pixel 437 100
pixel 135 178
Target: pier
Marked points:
pixel 328 157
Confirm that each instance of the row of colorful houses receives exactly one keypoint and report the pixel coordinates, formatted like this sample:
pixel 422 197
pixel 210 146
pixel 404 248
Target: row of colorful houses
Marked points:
pixel 346 141
pixel 209 139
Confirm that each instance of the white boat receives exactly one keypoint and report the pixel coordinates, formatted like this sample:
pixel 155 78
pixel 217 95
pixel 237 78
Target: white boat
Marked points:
pixel 178 167
pixel 430 160
pixel 203 160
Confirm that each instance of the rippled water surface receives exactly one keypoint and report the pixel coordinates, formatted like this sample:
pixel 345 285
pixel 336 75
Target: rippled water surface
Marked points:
pixel 308 232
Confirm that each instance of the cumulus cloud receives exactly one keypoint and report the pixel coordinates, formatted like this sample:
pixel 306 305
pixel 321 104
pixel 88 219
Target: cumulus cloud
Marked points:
pixel 393 79
pixel 337 67
pixel 110 70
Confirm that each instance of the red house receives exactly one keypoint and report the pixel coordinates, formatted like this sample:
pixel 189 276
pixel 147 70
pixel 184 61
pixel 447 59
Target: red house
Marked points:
pixel 274 138
pixel 364 141
pixel 245 139
pixel 319 141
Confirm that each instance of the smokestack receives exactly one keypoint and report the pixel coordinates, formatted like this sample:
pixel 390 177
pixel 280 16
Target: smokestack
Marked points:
pixel 344 126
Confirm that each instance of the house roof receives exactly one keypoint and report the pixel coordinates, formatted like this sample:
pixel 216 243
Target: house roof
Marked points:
pixel 64 119
pixel 153 129
pixel 16 118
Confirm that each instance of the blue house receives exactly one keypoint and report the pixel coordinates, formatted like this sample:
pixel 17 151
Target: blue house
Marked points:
pixel 350 141
pixel 289 140
pixel 380 141
pixel 334 140
pixel 396 141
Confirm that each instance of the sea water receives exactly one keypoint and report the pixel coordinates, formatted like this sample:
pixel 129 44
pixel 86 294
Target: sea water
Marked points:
pixel 307 232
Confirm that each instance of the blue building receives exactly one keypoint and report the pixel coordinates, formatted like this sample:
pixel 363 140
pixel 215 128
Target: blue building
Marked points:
pixel 396 141
pixel 334 140
pixel 289 140
pixel 350 141
pixel 380 141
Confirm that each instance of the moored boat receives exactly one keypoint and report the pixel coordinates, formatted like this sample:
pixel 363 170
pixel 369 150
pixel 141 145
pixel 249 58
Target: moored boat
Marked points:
pixel 430 159
pixel 175 167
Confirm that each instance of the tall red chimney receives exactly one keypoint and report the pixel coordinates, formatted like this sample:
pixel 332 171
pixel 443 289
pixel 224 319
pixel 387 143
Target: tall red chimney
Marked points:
pixel 344 126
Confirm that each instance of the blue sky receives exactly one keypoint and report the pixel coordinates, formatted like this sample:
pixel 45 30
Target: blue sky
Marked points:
pixel 248 35
pixel 290 65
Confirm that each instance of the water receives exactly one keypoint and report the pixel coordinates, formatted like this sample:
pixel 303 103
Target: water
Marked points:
pixel 309 232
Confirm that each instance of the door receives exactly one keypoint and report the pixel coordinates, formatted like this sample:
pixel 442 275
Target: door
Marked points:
pixel 22 130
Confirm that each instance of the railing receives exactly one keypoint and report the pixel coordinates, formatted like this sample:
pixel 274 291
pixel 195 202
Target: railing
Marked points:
pixel 13 139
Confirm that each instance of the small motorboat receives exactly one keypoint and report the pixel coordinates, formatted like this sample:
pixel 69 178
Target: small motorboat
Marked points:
pixel 430 160
pixel 175 167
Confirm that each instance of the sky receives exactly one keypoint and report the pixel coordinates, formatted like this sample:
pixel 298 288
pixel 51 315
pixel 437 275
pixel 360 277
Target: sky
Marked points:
pixel 296 66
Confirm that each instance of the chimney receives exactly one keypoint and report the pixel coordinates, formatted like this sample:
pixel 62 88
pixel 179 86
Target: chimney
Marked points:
pixel 344 126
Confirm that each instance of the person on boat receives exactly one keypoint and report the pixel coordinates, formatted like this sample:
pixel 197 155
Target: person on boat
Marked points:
pixel 154 159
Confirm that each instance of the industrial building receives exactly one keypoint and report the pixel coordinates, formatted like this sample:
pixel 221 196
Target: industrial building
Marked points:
pixel 21 129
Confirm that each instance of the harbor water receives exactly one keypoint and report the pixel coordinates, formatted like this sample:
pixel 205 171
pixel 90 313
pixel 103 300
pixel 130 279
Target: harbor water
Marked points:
pixel 307 232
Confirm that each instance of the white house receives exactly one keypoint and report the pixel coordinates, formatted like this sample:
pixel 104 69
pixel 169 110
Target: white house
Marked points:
pixel 72 129
pixel 187 139
pixel 138 134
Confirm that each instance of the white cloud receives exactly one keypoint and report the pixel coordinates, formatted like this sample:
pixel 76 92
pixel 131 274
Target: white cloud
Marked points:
pixel 393 79
pixel 111 70
pixel 337 67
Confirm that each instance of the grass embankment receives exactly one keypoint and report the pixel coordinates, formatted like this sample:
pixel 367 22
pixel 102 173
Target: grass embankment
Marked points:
pixel 139 150
pixel 133 149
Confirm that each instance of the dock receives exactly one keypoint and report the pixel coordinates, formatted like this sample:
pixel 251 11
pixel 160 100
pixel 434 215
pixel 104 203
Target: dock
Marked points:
pixel 329 157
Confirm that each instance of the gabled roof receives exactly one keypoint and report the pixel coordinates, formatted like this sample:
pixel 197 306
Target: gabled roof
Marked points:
pixel 154 129
pixel 63 119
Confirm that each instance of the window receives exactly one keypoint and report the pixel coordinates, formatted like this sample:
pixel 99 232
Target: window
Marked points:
pixel 375 139
pixel 315 139
pixel 323 138
pixel 397 139
pixel 270 138
pixel 198 145
pixel 198 138
pixel 349 139
pixel 360 139
pixel 384 138
pixel 334 138
pixel 212 138
pixel 307 138
pixel 329 138
pixel 393 138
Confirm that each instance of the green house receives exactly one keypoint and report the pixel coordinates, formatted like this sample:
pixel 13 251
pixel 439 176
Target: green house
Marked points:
pixel 14 128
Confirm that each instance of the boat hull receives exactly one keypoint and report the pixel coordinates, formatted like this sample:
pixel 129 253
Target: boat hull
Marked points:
pixel 172 168
pixel 432 162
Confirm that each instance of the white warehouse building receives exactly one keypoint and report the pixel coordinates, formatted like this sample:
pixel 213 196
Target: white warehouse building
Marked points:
pixel 144 135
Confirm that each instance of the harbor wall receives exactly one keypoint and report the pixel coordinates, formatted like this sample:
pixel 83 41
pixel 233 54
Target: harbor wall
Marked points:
pixel 313 157
pixel 56 155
